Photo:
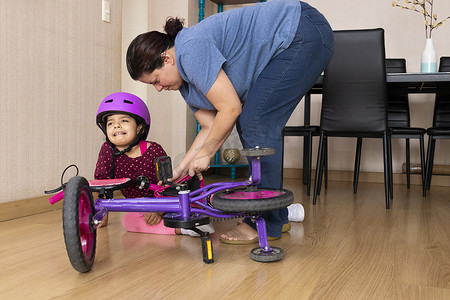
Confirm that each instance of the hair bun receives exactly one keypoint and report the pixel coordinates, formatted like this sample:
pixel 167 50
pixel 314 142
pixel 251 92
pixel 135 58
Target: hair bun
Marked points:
pixel 173 26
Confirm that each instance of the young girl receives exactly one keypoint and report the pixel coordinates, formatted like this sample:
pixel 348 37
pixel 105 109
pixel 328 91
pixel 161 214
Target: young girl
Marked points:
pixel 125 120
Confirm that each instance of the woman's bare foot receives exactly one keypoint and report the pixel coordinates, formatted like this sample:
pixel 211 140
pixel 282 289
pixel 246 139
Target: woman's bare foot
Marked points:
pixel 242 234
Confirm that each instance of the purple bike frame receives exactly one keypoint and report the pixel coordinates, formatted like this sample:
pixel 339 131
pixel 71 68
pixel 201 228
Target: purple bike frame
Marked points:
pixel 182 204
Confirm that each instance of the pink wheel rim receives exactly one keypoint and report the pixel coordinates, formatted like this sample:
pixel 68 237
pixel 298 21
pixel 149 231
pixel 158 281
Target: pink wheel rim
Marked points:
pixel 84 215
pixel 245 195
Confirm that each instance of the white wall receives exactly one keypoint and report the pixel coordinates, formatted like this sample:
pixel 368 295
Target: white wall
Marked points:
pixel 58 60
pixel 134 21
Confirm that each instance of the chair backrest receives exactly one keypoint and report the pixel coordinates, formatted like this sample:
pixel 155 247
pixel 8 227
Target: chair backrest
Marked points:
pixel 354 85
pixel 441 115
pixel 398 100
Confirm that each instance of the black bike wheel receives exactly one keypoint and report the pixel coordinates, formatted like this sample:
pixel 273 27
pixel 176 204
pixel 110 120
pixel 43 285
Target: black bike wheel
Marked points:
pixel 79 235
pixel 245 200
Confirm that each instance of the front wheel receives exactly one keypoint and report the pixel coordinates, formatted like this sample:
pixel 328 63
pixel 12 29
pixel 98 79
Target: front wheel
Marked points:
pixel 252 201
pixel 79 235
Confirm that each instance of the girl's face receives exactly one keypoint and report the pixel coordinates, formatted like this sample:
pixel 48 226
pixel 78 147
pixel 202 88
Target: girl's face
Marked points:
pixel 121 130
pixel 165 78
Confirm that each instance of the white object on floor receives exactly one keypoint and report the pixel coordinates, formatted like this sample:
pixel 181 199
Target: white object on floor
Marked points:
pixel 208 228
pixel 296 212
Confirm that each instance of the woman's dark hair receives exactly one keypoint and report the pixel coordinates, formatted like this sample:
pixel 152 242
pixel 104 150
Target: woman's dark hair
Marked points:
pixel 144 52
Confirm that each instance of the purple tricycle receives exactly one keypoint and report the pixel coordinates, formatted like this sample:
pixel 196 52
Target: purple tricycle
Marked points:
pixel 188 209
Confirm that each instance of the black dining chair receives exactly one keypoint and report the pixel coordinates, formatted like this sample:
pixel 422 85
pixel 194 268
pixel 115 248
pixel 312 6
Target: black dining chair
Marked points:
pixel 441 121
pixel 308 132
pixel 398 121
pixel 354 102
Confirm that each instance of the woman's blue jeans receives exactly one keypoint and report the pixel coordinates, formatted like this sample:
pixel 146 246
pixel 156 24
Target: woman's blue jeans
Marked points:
pixel 276 93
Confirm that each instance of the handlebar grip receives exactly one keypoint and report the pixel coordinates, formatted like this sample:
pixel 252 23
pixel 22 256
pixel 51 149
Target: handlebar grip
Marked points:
pixel 56 198
pixel 154 187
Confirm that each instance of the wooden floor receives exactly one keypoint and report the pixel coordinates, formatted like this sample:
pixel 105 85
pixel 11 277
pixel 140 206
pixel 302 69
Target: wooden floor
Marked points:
pixel 348 247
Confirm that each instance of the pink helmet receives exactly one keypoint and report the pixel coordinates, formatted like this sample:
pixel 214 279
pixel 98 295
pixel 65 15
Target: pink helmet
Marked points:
pixel 124 103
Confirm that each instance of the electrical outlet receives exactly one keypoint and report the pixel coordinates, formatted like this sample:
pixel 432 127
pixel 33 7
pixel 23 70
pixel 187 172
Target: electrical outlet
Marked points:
pixel 106 11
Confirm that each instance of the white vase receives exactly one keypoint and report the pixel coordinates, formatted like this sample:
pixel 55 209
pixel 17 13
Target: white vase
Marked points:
pixel 429 64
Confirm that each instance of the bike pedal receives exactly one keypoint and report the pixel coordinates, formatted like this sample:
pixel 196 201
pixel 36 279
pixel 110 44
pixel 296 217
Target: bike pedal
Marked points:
pixel 207 249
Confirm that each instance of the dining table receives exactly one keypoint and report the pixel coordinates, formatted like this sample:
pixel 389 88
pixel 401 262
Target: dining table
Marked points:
pixel 415 82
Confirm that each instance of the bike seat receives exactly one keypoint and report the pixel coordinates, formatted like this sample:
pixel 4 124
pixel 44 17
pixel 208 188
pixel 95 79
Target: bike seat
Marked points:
pixel 108 182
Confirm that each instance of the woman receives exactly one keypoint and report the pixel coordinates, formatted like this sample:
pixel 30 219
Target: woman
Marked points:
pixel 250 67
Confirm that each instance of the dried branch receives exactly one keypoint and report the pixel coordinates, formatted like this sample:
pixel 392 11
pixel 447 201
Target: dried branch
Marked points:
pixel 424 7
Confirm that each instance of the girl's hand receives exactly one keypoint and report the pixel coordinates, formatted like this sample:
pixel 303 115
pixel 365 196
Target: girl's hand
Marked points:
pixel 153 218
pixel 104 222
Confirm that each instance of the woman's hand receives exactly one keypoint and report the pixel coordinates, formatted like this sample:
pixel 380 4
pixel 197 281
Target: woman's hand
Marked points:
pixel 153 218
pixel 178 173
pixel 200 164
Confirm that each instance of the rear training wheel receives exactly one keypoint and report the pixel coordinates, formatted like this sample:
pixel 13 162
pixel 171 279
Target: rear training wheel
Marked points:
pixel 258 254
pixel 257 151
pixel 79 235
pixel 247 200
